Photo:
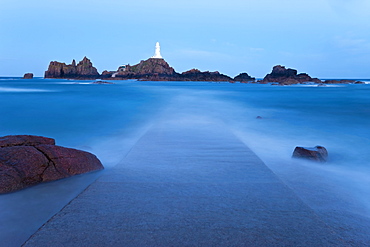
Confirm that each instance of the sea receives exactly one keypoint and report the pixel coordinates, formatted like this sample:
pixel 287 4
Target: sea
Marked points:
pixel 108 119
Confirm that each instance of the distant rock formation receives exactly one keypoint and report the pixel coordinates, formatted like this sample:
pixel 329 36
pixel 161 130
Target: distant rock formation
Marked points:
pixel 197 75
pixel 28 76
pixel 28 160
pixel 83 70
pixel 285 76
pixel 244 77
pixel 152 67
pixel 157 69
pixel 342 82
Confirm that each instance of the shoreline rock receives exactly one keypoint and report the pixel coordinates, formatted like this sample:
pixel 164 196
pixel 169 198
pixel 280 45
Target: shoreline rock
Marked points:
pixel 27 160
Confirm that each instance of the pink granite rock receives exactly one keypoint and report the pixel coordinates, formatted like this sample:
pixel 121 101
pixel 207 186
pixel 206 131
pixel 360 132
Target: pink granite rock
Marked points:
pixel 28 160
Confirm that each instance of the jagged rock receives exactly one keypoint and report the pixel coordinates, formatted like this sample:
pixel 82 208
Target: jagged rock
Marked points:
pixel 317 153
pixel 285 76
pixel 28 160
pixel 28 76
pixel 83 70
pixel 244 77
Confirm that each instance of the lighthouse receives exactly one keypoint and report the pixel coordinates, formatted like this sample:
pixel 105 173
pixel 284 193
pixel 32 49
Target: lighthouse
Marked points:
pixel 157 53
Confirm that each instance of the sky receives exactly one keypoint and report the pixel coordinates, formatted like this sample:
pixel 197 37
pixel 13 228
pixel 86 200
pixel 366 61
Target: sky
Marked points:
pixel 324 38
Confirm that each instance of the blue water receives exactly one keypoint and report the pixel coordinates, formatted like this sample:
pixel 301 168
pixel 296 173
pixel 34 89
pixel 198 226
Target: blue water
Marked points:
pixel 107 119
pixel 79 114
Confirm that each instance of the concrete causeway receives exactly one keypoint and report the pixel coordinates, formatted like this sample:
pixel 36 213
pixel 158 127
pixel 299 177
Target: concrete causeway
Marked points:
pixel 188 184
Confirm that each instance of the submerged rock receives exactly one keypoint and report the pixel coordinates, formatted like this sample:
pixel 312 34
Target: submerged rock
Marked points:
pixel 102 82
pixel 317 153
pixel 27 160
pixel 342 82
pixel 28 76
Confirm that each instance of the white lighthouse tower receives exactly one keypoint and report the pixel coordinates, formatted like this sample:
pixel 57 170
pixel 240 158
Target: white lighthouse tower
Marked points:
pixel 157 53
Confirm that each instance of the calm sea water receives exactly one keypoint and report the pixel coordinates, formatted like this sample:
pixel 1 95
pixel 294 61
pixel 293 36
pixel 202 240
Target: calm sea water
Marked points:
pixel 106 119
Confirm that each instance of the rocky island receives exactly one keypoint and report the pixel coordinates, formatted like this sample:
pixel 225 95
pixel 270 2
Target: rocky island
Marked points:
pixel 84 70
pixel 28 76
pixel 152 69
pixel 157 69
pixel 283 76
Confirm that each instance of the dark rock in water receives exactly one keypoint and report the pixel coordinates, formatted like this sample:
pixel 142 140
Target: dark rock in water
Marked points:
pixel 285 76
pixel 102 82
pixel 244 77
pixel 259 117
pixel 83 70
pixel 153 68
pixel 28 160
pixel 157 69
pixel 289 81
pixel 28 76
pixel 342 82
pixel 197 75
pixel 318 153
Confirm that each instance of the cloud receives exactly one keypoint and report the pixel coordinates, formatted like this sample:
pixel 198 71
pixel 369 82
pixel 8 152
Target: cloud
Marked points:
pixel 353 45
pixel 352 10
pixel 202 54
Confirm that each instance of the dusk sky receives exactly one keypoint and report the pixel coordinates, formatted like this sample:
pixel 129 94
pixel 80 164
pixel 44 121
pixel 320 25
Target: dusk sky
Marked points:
pixel 324 38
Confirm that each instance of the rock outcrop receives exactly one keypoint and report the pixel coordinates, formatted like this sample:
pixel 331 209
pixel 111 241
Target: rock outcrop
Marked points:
pixel 318 153
pixel 28 76
pixel 342 82
pixel 83 70
pixel 244 77
pixel 285 76
pixel 28 160
pixel 197 75
pixel 157 69
pixel 150 69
